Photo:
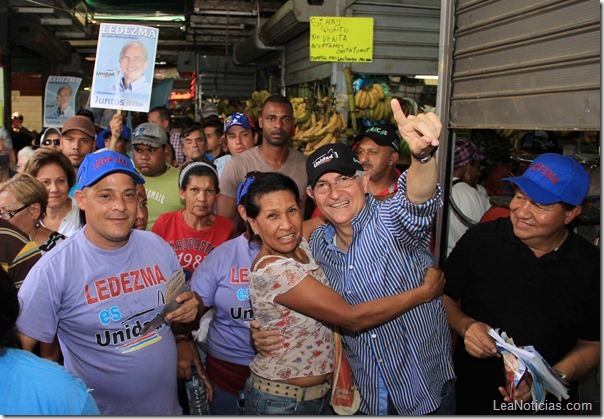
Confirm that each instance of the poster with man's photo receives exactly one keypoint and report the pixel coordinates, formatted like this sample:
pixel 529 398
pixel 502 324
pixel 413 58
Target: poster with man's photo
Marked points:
pixel 123 70
pixel 59 99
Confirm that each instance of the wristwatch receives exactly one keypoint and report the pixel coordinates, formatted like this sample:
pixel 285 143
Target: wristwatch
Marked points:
pixel 427 158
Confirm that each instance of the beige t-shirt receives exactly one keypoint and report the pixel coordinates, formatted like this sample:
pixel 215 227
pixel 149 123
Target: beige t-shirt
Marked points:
pixel 251 160
pixel 308 344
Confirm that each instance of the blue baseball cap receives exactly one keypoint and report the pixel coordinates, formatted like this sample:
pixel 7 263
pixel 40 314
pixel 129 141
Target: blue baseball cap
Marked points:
pixel 240 119
pixel 99 164
pixel 553 178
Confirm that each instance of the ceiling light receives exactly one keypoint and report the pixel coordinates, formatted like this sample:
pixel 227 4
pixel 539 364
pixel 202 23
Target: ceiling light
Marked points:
pixel 37 10
pixel 426 77
pixel 142 18
pixel 70 35
pixel 55 21
pixel 225 12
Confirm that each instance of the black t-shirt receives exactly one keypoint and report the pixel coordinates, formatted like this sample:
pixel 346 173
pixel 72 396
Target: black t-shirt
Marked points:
pixel 548 302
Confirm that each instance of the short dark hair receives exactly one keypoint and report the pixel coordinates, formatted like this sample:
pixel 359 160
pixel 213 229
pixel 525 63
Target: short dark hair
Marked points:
pixel 9 312
pixel 263 184
pixel 195 127
pixel 88 114
pixel 216 124
pixel 164 113
pixel 277 99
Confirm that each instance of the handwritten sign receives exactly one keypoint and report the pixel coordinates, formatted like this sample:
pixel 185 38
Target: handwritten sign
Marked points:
pixel 341 39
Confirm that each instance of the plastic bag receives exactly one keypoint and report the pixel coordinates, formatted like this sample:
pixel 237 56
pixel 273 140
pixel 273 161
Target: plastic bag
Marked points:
pixel 345 397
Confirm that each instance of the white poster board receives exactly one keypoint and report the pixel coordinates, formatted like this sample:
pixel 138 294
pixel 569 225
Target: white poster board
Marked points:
pixel 59 99
pixel 124 66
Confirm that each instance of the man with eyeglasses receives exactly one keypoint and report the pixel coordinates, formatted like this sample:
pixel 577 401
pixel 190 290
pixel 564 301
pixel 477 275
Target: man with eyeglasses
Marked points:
pixel 134 58
pixel 371 249
pixel 273 154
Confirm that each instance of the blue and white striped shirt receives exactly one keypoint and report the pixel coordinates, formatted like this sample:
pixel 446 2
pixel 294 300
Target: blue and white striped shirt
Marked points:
pixel 389 254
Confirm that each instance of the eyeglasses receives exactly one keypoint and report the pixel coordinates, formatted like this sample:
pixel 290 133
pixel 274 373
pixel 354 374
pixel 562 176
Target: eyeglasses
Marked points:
pixel 245 185
pixel 7 215
pixel 48 142
pixel 343 182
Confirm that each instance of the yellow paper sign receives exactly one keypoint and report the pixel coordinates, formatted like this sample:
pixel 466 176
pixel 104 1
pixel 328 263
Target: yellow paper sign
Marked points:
pixel 341 39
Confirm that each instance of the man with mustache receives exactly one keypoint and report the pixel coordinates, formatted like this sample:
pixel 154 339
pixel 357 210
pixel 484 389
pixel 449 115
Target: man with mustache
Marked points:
pixel 273 154
pixel 377 149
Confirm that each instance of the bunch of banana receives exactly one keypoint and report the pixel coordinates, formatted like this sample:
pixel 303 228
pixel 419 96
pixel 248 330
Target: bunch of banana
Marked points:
pixel 325 131
pixel 302 110
pixel 368 96
pixel 381 111
pixel 254 103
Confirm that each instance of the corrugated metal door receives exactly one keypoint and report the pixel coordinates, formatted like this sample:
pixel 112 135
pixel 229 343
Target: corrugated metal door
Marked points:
pixel 526 65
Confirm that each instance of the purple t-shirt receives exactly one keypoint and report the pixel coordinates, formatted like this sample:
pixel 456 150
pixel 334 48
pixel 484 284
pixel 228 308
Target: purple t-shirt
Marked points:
pixel 222 281
pixel 97 301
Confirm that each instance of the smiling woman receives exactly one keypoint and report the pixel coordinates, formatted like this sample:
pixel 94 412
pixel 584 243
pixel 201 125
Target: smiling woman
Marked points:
pixel 23 201
pixel 195 231
pixel 290 293
pixel 55 171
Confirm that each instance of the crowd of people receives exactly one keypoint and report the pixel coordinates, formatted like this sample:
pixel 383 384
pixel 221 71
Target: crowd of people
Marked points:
pixel 108 231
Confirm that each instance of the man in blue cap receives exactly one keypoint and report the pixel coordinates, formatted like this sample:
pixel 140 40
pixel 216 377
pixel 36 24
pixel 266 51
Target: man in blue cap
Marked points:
pixel 531 276
pixel 99 289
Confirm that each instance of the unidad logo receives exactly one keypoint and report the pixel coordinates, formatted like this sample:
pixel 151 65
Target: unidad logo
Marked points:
pixel 325 158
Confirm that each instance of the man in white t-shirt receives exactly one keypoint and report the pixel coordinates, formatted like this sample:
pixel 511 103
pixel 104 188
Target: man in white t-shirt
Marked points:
pixel 469 200
pixel 98 289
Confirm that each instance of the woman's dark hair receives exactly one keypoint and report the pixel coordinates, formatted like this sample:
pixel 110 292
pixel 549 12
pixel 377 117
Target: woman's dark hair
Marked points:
pixel 200 167
pixel 9 311
pixel 264 184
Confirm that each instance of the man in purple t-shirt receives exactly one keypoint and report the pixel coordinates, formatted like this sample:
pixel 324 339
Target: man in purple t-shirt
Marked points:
pixel 98 289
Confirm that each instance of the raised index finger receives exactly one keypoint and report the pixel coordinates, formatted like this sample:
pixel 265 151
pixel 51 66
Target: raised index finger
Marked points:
pixel 397 111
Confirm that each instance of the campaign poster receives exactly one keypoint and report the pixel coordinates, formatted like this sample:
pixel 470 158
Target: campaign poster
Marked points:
pixel 124 67
pixel 59 99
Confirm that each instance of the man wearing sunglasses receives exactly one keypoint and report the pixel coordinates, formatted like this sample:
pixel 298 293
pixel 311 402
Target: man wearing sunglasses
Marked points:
pixel 51 139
